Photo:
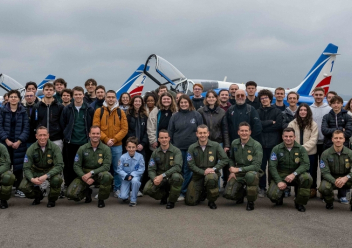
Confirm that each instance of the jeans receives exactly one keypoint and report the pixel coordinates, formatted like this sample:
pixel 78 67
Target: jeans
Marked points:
pixel 116 153
pixel 265 161
pixel 186 173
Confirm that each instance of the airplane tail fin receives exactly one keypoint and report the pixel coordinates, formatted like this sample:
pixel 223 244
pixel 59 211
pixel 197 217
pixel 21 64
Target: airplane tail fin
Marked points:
pixel 134 84
pixel 47 79
pixel 321 72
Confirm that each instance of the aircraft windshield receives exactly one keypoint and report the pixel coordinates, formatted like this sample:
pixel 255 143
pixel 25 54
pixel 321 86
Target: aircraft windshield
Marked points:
pixel 168 71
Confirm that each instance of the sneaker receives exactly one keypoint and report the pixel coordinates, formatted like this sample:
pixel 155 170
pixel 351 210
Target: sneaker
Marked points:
pixel 261 193
pixel 140 194
pixel 181 198
pixel 19 193
pixel 96 196
pixel 343 200
pixel 116 193
pixel 133 204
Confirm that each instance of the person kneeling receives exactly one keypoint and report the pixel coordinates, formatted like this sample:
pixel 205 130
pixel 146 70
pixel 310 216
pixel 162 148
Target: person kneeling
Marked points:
pixel 6 177
pixel 130 168
pixel 205 158
pixel 43 162
pixel 92 165
pixel 164 172
pixel 245 159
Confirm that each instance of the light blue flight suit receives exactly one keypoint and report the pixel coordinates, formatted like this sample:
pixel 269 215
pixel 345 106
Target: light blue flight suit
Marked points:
pixel 134 167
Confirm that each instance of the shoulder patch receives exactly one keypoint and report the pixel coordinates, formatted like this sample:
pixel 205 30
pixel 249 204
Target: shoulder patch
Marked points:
pixel 189 157
pixel 151 162
pixel 273 156
pixel 136 167
pixel 76 158
pixel 322 164
pixel 25 159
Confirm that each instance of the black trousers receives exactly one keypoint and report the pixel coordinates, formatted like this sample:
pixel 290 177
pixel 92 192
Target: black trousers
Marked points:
pixel 314 169
pixel 18 173
pixel 69 152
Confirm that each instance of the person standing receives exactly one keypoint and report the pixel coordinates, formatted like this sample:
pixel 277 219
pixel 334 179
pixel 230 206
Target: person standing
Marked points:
pixel 124 101
pixel 245 158
pixel 224 99
pixel 114 127
pixel 47 113
pixel 14 132
pixel 150 99
pixel 43 162
pixel 59 84
pixel 205 159
pixel 198 99
pixel 279 98
pixel 271 119
pixel 66 97
pixel 288 166
pixel 232 89
pixel 92 164
pixel 6 177
pixel 76 120
pixel 90 86
pixel 29 105
pixel 182 129
pixel 251 88
pixel 289 114
pixel 100 94
pixel 31 87
pixel 307 136
pixel 330 95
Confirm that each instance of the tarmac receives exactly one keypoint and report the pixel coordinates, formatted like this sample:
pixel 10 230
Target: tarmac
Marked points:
pixel 149 224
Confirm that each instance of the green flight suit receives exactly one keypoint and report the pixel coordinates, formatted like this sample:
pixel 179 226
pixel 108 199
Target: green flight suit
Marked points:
pixel 87 160
pixel 248 159
pixel 167 163
pixel 214 157
pixel 38 163
pixel 283 163
pixel 332 166
pixel 6 177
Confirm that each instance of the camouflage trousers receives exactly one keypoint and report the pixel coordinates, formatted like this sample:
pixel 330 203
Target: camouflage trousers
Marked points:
pixel 198 184
pixel 302 182
pixel 6 181
pixel 78 188
pixel 33 191
pixel 327 190
pixel 168 186
pixel 235 190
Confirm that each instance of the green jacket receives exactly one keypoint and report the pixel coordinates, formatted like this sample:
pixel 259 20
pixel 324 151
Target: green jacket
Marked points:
pixel 286 162
pixel 165 163
pixel 213 156
pixel 49 162
pixel 333 165
pixel 248 158
pixel 87 159
pixel 5 161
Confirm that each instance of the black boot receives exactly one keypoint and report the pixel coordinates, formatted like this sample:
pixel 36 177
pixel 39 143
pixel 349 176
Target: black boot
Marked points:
pixel 163 200
pixel 51 204
pixel 88 196
pixel 300 208
pixel 101 204
pixel 329 206
pixel 250 206
pixel 280 202
pixel 170 205
pixel 240 201
pixel 38 198
pixel 4 204
pixel 212 205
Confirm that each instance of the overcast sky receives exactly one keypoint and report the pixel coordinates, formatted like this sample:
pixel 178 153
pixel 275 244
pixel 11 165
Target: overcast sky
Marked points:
pixel 274 43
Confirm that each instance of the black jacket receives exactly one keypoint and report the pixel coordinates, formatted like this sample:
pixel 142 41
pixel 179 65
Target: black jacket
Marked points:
pixel 137 127
pixel 67 120
pixel 49 117
pixel 271 133
pixel 198 102
pixel 332 122
pixel 287 117
pixel 213 119
pixel 232 101
pixel 87 99
pixel 256 103
pixel 97 104
pixel 234 116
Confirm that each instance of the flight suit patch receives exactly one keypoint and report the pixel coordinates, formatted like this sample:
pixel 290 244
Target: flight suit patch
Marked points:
pixel 100 161
pixel 249 157
pixel 76 158
pixel 151 162
pixel 273 156
pixel 211 158
pixel 86 154
pixel 296 160
pixel 25 159
pixel 50 161
pixel 100 155
pixel 189 157
pixel 322 164
pixel 126 165
pixel 248 151
pixel 347 164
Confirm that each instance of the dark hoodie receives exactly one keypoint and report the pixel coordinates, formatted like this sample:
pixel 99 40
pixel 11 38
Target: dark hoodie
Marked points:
pixel 198 102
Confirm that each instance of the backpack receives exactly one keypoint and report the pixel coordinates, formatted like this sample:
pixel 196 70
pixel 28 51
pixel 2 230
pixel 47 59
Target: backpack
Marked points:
pixel 102 112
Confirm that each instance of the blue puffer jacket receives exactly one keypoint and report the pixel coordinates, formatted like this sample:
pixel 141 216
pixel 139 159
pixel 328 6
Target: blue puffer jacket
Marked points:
pixel 21 132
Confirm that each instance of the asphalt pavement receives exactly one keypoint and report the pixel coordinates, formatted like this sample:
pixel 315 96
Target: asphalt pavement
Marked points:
pixel 149 224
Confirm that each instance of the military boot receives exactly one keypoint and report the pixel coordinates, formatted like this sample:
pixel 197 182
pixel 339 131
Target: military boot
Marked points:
pixel 280 202
pixel 4 204
pixel 170 205
pixel 329 206
pixel 101 204
pixel 89 192
pixel 300 208
pixel 212 205
pixel 51 204
pixel 38 198
pixel 250 206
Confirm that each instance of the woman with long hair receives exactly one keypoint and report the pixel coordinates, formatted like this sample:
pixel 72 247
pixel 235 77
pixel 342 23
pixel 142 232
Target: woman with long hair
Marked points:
pixel 14 132
pixel 124 101
pixel 306 131
pixel 159 118
pixel 182 130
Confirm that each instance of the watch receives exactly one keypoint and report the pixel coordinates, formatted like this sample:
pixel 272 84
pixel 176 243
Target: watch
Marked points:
pixel 214 168
pixel 92 172
pixel 48 175
pixel 295 173
pixel 164 175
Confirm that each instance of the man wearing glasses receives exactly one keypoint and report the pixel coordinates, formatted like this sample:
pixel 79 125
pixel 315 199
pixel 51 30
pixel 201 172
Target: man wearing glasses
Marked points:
pixel 90 86
pixel 198 100
pixel 237 114
pixel 31 87
pixel 29 102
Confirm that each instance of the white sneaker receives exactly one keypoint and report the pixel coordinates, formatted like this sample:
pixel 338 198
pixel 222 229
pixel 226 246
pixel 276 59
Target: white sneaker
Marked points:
pixel 96 197
pixel 116 193
pixel 140 194
pixel 19 193
pixel 181 198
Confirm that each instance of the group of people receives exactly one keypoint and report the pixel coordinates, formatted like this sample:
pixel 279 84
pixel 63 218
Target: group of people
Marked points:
pixel 173 148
